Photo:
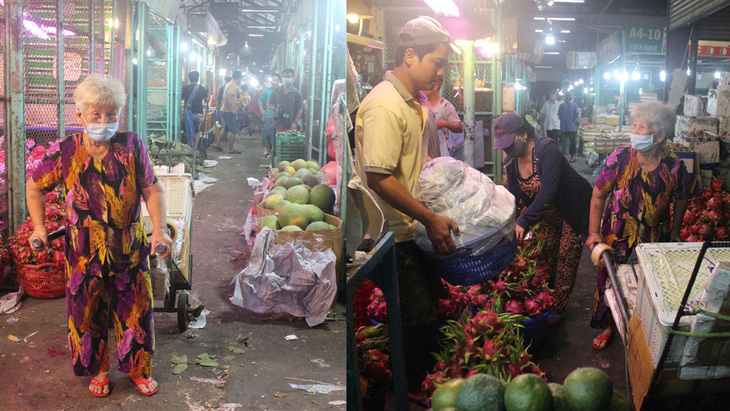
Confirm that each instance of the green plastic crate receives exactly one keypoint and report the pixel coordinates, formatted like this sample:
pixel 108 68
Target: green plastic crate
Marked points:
pixel 290 145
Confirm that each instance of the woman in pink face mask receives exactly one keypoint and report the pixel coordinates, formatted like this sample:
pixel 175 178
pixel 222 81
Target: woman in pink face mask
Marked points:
pixel 104 173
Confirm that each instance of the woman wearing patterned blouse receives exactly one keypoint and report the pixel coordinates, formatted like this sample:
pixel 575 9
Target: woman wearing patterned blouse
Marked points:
pixel 555 196
pixel 104 174
pixel 640 181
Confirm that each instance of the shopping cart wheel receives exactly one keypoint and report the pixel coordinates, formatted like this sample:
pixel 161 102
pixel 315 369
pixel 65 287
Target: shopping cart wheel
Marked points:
pixel 183 311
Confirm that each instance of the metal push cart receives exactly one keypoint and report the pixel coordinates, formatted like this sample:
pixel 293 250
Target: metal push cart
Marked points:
pixel 655 335
pixel 179 205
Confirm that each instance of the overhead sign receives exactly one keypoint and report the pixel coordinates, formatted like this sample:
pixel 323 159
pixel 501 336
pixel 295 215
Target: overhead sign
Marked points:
pixel 714 49
pixel 168 9
pixel 644 39
pixel 608 49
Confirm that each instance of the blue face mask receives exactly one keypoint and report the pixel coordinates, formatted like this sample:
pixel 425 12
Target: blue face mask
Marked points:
pixel 642 143
pixel 101 133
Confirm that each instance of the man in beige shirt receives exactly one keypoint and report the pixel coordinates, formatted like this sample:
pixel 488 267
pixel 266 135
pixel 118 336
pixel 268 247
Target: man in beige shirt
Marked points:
pixel 390 154
pixel 229 111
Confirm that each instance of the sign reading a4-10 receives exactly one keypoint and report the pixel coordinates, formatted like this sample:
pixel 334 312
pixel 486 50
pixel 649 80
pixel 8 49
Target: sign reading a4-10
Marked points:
pixel 642 39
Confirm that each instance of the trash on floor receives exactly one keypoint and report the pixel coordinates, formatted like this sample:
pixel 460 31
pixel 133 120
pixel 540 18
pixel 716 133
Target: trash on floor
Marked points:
pixel 13 338
pixel 181 363
pixel 210 163
pixel 54 352
pixel 10 302
pixel 217 383
pixel 337 402
pixel 236 350
pixel 317 388
pixel 200 321
pixel 320 362
pixel 291 337
pixel 12 320
pixel 224 157
pixel 30 335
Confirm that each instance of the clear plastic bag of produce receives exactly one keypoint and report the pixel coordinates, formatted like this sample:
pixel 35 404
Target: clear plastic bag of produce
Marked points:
pixel 483 210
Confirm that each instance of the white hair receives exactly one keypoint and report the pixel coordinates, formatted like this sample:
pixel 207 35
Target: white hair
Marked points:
pixel 658 116
pixel 102 90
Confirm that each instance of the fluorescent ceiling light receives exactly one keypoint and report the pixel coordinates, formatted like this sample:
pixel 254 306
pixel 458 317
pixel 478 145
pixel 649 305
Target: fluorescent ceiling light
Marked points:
pixel 565 31
pixel 255 35
pixel 446 7
pixel 555 18
pixel 262 27
pixel 260 11
pixel 551 52
pixel 568 1
pixel 544 67
pixel 538 31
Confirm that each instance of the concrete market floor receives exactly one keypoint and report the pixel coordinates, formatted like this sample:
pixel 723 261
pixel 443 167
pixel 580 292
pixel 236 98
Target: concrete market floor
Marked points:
pixel 37 374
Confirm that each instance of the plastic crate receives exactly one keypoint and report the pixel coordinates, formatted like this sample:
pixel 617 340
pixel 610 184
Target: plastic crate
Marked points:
pixel 290 146
pixel 178 196
pixel 667 268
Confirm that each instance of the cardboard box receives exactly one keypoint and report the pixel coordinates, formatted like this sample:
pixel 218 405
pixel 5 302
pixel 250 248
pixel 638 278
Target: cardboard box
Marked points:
pixel 613 120
pixel 692 106
pixel 686 124
pixel 723 129
pixel 719 103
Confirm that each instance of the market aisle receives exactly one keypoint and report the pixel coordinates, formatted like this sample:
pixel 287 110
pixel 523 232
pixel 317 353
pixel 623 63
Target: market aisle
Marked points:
pixel 568 345
pixel 257 379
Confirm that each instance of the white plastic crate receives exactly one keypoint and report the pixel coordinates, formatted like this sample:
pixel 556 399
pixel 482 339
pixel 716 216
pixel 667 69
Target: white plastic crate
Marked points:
pixel 667 268
pixel 178 196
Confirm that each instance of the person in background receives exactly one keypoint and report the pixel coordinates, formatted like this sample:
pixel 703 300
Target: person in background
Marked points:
pixel 569 116
pixel 229 111
pixel 555 195
pixel 286 103
pixel 550 120
pixel 445 116
pixel 194 95
pixel 641 182
pixel 268 117
pixel 390 153
pixel 219 93
pixel 105 173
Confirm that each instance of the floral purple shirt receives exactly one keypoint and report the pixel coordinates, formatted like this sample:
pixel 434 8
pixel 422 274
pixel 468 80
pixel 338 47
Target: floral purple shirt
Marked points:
pixel 639 202
pixel 103 199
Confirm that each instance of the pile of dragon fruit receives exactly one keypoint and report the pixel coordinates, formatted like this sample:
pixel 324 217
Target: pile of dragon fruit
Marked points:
pixel 708 215
pixel 480 322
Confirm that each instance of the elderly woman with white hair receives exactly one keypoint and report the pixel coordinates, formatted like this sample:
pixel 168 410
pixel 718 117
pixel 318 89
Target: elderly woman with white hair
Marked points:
pixel 641 182
pixel 104 173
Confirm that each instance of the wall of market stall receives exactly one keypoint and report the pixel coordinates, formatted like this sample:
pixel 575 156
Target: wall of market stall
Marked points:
pixel 56 44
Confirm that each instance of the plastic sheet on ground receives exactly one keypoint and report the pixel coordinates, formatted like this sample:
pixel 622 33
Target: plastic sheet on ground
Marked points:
pixel 287 278
pixel 10 303
pixel 453 189
pixel 317 388
pixel 202 182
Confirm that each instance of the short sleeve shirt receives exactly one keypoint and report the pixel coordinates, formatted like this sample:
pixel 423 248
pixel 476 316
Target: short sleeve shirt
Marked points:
pixel 231 96
pixel 289 103
pixel 103 203
pixel 390 139
pixel 196 101
pixel 445 111
pixel 550 114
pixel 264 101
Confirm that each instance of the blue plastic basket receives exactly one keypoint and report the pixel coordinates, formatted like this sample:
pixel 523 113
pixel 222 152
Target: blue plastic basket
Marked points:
pixel 533 332
pixel 468 268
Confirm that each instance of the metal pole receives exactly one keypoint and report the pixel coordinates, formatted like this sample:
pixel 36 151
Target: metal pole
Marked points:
pixel 596 88
pixel 92 39
pixel 312 76
pixel 497 86
pixel 112 33
pixel 327 68
pixel 15 128
pixel 60 73
pixel 622 84
pixel 469 102
pixel 142 61
pixel 695 44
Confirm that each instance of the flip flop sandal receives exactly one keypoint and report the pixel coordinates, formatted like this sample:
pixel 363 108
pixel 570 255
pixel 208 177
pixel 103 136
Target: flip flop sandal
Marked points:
pixel 234 152
pixel 216 148
pixel 604 337
pixel 101 384
pixel 145 382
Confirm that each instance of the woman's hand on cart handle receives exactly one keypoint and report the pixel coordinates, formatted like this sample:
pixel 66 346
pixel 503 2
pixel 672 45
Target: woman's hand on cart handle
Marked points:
pixel 593 240
pixel 39 238
pixel 161 237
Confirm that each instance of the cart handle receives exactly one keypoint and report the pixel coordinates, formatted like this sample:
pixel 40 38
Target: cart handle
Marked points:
pixel 37 243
